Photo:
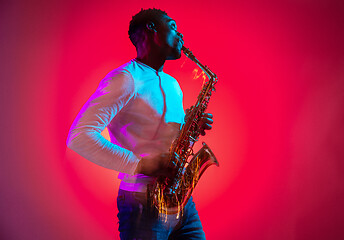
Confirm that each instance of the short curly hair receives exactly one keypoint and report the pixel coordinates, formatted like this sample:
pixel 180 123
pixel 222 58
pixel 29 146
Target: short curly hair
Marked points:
pixel 139 21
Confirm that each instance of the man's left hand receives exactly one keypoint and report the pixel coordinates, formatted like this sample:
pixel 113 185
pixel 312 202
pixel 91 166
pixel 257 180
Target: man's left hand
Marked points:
pixel 205 123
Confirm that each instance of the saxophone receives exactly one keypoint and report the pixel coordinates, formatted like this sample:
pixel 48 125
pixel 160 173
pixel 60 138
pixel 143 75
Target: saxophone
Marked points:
pixel 171 195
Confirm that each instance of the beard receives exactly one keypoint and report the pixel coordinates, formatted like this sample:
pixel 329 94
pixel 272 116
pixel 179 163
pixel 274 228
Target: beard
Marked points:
pixel 175 53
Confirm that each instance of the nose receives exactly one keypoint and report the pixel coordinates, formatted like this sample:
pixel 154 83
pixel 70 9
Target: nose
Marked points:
pixel 180 35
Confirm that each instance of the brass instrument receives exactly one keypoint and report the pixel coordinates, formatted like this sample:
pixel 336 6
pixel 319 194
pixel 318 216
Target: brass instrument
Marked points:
pixel 171 195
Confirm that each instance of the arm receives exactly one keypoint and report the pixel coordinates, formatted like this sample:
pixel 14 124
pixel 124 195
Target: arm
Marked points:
pixel 85 138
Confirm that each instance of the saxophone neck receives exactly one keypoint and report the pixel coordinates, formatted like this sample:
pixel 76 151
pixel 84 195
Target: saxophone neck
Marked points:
pixel 212 76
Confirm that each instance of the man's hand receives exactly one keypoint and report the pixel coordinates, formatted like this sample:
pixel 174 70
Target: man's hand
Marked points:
pixel 160 165
pixel 155 166
pixel 205 123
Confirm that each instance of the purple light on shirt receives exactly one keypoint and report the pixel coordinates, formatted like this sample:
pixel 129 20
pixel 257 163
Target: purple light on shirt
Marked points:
pixel 125 133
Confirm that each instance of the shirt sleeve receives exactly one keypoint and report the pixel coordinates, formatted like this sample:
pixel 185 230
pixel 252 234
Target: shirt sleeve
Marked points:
pixel 85 138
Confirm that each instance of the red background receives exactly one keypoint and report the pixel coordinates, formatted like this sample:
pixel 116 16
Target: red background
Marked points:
pixel 278 112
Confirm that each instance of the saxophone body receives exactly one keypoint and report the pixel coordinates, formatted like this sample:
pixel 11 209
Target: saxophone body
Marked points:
pixel 171 195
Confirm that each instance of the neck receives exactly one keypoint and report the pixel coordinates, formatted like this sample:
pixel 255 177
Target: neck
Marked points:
pixel 151 57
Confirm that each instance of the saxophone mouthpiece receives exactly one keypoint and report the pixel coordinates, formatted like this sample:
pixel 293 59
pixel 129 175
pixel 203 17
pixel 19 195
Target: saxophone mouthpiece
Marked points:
pixel 187 52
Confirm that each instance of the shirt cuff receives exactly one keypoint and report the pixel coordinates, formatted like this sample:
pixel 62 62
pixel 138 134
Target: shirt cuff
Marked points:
pixel 133 161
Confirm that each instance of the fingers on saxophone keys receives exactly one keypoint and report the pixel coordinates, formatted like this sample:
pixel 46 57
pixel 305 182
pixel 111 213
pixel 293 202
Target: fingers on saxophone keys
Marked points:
pixel 207 126
pixel 172 164
pixel 206 121
pixel 207 115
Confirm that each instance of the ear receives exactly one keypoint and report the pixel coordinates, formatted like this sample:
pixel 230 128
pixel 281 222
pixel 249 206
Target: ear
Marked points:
pixel 151 26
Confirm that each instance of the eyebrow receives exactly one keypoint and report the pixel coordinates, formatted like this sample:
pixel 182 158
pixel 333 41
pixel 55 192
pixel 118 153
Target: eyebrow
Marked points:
pixel 169 20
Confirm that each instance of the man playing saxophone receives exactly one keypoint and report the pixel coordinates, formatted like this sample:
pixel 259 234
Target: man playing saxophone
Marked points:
pixel 142 107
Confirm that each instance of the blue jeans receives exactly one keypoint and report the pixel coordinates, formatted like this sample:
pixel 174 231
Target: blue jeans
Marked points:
pixel 139 220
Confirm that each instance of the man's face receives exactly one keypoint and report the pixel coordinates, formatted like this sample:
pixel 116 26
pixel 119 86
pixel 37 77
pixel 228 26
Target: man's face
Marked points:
pixel 169 38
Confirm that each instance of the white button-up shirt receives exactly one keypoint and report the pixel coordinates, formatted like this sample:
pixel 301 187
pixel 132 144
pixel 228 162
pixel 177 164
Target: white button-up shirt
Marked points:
pixel 143 111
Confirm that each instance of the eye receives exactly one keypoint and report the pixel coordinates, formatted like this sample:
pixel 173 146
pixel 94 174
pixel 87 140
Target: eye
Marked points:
pixel 173 26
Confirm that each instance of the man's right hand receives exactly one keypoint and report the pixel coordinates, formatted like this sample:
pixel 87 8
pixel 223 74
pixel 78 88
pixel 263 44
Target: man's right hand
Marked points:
pixel 155 166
